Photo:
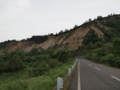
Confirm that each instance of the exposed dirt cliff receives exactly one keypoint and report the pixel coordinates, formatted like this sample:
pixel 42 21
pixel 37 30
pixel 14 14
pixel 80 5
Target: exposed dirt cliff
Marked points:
pixel 70 40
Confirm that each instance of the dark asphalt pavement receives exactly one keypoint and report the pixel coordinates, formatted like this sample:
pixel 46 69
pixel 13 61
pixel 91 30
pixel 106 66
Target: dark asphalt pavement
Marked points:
pixel 95 76
pixel 74 80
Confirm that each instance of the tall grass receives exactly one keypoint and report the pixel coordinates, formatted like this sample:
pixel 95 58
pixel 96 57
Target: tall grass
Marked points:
pixel 44 82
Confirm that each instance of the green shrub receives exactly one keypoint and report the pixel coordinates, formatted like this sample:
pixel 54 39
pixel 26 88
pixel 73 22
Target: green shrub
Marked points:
pixel 108 59
pixel 54 63
pixel 63 56
pixel 43 82
pixel 19 85
pixel 117 61
pixel 2 67
pixel 88 56
pixel 40 69
pixel 38 39
pixel 91 37
pixel 94 57
pixel 98 44
pixel 116 46
pixel 15 64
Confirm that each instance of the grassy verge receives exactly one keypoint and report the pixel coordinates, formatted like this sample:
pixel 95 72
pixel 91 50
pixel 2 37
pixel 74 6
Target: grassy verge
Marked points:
pixel 17 81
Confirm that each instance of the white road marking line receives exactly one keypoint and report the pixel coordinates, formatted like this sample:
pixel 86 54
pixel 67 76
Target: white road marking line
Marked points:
pixel 79 84
pixel 97 68
pixel 115 78
pixel 89 64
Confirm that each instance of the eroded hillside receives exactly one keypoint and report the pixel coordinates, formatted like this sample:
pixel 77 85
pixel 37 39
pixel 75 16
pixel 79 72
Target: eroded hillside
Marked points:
pixel 70 40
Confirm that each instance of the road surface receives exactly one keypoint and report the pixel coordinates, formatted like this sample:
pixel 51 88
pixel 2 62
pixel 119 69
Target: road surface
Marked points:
pixel 92 76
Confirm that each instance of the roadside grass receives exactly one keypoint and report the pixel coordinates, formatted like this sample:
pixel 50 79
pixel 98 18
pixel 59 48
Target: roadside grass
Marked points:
pixel 21 81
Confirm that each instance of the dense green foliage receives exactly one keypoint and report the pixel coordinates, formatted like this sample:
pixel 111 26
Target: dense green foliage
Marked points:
pixel 91 37
pixel 14 64
pixel 63 56
pixel 34 69
pixel 20 80
pixel 107 49
pixel 38 39
pixel 113 24
pixel 102 52
pixel 21 70
pixel 4 44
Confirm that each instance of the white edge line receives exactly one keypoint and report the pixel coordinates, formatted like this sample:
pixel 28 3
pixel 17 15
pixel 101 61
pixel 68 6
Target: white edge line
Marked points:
pixel 96 68
pixel 79 84
pixel 115 78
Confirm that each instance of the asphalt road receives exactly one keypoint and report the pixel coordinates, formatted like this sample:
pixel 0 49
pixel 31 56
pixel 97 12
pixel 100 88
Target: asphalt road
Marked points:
pixel 92 76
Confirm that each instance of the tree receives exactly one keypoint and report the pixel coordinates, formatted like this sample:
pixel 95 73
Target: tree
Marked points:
pixel 40 69
pixel 99 17
pixel 2 65
pixel 54 63
pixel 34 51
pixel 63 56
pixel 51 34
pixel 91 36
pixel 15 64
pixel 90 20
pixel 90 46
pixel 61 32
pixel 116 46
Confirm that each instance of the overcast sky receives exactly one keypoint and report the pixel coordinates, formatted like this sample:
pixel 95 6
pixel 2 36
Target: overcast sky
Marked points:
pixel 21 19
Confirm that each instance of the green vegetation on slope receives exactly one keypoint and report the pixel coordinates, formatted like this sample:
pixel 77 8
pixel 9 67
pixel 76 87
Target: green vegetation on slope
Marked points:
pixel 91 37
pixel 105 51
pixel 4 44
pixel 33 70
pixel 38 39
pixel 108 53
pixel 39 68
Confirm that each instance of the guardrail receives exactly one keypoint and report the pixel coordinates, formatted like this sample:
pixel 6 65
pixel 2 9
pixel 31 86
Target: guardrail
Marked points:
pixel 61 81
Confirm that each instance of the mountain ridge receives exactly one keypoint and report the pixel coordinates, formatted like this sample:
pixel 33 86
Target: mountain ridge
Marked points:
pixel 70 40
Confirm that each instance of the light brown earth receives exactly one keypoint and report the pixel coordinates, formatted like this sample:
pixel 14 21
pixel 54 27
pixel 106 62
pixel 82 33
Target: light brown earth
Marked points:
pixel 71 43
